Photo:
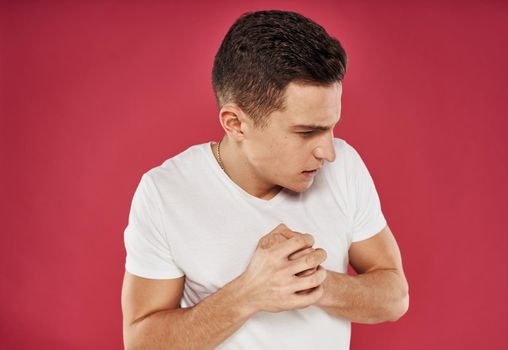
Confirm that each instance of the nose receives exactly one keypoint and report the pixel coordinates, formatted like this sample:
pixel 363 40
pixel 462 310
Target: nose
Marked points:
pixel 325 149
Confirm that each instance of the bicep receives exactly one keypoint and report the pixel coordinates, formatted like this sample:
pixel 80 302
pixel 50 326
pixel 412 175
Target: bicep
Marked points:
pixel 142 296
pixel 378 252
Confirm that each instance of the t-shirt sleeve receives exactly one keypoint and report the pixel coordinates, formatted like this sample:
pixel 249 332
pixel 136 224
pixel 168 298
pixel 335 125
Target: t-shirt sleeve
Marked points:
pixel 146 244
pixel 368 219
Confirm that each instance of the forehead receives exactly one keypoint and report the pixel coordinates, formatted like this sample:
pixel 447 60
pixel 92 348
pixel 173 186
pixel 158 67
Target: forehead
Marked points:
pixel 310 104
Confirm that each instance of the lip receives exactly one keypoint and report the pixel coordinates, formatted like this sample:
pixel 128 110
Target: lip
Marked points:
pixel 310 173
pixel 311 169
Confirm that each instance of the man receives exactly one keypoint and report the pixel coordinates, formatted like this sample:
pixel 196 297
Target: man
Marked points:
pixel 245 243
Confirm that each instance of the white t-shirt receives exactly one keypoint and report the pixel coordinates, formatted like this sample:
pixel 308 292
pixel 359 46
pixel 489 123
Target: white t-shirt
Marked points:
pixel 189 218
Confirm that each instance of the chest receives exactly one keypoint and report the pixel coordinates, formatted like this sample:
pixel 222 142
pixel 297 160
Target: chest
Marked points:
pixel 218 244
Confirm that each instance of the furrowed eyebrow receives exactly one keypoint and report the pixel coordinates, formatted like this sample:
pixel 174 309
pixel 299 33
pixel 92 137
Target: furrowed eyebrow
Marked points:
pixel 314 126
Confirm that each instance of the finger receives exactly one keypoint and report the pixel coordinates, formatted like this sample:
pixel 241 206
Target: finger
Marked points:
pixel 298 242
pixel 308 261
pixel 309 298
pixel 306 272
pixel 284 231
pixel 279 226
pixel 271 239
pixel 311 281
pixel 300 253
pixel 306 291
pixel 279 234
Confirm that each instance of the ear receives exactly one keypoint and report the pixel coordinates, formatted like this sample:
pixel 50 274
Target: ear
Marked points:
pixel 234 121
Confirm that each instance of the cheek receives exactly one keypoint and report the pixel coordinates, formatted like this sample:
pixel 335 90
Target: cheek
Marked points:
pixel 290 161
pixel 274 152
pixel 282 155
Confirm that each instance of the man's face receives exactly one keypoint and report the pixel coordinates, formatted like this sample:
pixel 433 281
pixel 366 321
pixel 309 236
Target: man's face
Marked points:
pixel 293 143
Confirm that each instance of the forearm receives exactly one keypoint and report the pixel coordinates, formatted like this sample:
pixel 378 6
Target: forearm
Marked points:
pixel 203 326
pixel 372 297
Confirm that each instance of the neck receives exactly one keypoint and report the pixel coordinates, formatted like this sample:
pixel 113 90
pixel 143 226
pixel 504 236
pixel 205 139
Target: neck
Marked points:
pixel 241 172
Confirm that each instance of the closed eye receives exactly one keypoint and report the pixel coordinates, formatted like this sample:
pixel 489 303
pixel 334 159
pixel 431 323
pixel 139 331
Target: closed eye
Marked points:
pixel 307 133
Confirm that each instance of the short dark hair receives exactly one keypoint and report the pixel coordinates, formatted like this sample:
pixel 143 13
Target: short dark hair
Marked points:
pixel 264 51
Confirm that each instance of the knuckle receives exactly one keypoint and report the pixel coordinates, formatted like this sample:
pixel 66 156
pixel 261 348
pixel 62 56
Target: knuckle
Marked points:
pixel 277 237
pixel 279 227
pixel 300 239
pixel 284 229
pixel 309 260
pixel 282 226
pixel 264 242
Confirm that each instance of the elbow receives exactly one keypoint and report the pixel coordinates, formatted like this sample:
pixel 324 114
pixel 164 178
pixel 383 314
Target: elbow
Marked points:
pixel 390 312
pixel 400 307
pixel 393 309
pixel 127 344
pixel 130 340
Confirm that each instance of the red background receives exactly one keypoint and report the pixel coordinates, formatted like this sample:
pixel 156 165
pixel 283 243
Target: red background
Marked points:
pixel 94 95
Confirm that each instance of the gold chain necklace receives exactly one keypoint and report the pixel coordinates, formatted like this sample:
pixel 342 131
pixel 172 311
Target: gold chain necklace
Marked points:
pixel 218 156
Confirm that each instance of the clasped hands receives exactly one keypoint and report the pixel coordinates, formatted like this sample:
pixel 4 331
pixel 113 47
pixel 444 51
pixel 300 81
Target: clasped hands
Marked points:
pixel 284 272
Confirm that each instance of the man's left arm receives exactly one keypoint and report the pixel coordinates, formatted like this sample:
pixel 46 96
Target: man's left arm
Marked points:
pixel 378 293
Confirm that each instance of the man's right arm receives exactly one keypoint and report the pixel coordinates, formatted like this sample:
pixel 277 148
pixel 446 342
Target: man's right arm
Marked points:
pixel 202 326
pixel 272 282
